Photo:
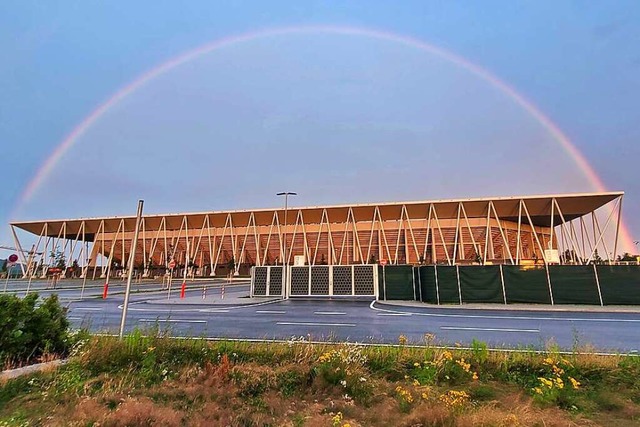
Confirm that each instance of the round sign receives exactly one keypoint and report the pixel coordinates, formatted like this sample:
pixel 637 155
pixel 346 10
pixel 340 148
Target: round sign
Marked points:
pixel 383 262
pixel 13 258
pixel 172 264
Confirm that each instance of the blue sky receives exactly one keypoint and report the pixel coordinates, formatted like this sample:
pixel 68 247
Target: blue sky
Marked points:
pixel 329 116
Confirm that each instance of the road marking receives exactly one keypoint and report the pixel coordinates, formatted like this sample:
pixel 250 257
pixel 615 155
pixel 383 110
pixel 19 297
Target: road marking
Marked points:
pixel 172 321
pixel 87 308
pixel 316 324
pixel 329 313
pixel 394 314
pixel 462 328
pixel 75 318
pixel 485 316
pixel 213 310
pixel 270 312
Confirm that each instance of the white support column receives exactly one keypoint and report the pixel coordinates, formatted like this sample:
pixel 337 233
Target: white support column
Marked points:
pixel 595 273
pixel 20 251
pixel 455 239
pixel 606 226
pixel 504 292
pixel 519 233
pixel 535 234
pixel 459 287
pixel 505 241
pixel 615 245
pixel 473 239
pixel 442 239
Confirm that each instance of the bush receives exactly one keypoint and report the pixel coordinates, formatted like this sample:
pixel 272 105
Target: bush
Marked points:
pixel 28 332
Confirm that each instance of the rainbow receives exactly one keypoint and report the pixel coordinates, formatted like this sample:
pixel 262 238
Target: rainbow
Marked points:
pixel 48 165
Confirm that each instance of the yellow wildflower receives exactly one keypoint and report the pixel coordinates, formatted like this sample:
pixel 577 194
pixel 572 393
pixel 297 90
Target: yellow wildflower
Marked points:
pixel 575 383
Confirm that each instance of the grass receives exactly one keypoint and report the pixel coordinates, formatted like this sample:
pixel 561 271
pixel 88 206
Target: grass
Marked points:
pixel 150 379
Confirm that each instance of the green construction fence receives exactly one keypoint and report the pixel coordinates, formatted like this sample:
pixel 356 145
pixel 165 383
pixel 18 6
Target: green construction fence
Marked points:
pixel 554 284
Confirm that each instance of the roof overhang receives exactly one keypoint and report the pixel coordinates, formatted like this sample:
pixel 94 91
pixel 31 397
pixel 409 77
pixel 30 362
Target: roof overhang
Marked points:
pixel 539 208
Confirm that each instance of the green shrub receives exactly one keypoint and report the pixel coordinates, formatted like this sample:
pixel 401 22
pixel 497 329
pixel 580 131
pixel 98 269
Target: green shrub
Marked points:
pixel 28 332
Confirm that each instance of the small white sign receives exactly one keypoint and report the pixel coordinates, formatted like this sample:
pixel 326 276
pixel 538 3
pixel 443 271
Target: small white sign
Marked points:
pixel 552 256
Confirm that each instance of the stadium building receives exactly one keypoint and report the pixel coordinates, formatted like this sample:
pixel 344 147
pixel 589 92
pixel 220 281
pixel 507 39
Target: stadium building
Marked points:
pixel 528 230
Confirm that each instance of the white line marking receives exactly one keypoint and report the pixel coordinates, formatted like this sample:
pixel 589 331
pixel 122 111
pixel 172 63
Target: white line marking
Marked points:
pixel 462 328
pixel 75 318
pixel 87 308
pixel 213 310
pixel 172 321
pixel 479 316
pixel 270 312
pixel 316 324
pixel 394 314
pixel 329 313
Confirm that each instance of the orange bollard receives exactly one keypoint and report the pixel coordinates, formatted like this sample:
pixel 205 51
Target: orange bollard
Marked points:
pixel 105 291
pixel 184 288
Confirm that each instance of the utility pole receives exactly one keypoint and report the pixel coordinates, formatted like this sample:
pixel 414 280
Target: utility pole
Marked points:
pixel 285 264
pixel 132 257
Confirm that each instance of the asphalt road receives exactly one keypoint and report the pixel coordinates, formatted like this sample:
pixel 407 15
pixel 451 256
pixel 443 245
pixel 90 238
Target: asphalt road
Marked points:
pixel 237 316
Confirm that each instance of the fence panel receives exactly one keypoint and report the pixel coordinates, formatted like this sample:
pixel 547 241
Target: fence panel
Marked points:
pixel 527 285
pixel 342 280
pixel 428 284
pixel 275 281
pixel 363 279
pixel 398 281
pixel 619 284
pixel 299 280
pixel 573 284
pixel 481 284
pixel 448 284
pixel 320 280
pixel 259 281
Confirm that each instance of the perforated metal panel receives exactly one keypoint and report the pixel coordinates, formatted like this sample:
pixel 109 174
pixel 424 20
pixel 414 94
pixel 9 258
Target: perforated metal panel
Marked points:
pixel 342 280
pixel 259 281
pixel 320 280
pixel 363 279
pixel 275 281
pixel 300 280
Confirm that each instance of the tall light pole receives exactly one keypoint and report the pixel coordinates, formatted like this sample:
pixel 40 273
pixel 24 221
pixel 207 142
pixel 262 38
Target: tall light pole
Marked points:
pixel 132 258
pixel 286 195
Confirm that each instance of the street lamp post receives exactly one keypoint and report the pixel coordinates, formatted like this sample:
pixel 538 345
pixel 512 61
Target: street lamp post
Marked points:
pixel 285 262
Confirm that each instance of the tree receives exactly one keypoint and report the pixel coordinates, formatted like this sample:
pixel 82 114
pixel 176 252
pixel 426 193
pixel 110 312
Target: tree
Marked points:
pixel 231 265
pixel 75 267
pixel 59 260
pixel 626 257
pixel 595 259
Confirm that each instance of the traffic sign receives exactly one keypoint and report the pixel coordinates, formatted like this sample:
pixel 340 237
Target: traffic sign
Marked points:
pixel 13 258
pixel 383 262
pixel 172 264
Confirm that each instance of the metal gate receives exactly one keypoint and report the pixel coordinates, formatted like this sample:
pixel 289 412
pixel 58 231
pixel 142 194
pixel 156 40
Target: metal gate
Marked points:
pixel 316 280
pixel 332 280
pixel 267 281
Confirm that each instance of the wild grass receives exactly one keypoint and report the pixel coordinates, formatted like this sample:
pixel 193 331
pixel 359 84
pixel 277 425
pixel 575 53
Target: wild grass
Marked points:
pixel 151 379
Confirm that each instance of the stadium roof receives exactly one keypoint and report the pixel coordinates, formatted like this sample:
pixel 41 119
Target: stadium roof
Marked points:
pixel 539 207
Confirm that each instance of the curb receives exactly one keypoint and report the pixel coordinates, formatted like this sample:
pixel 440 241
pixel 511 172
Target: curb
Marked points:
pixel 18 372
pixel 519 307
